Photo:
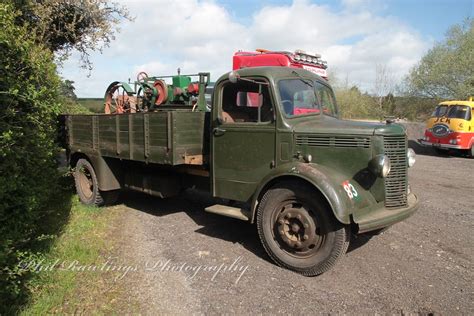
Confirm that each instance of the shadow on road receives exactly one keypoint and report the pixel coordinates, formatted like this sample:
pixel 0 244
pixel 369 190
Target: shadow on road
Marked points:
pixel 358 241
pixel 193 204
pixel 423 150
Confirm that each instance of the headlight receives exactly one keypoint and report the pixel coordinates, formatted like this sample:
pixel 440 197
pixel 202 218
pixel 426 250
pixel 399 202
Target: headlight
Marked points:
pixel 380 166
pixel 411 157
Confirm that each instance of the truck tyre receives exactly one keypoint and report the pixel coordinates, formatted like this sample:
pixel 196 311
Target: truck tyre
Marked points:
pixel 87 186
pixel 298 230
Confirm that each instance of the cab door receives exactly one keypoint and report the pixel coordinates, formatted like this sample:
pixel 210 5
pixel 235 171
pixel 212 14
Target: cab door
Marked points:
pixel 243 138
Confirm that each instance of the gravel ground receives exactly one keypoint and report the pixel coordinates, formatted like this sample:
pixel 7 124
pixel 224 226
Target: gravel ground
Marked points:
pixel 422 265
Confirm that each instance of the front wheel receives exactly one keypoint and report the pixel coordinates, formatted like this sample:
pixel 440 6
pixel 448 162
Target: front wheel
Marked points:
pixel 298 230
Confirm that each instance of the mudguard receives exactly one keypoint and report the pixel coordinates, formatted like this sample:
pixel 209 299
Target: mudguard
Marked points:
pixel 108 172
pixel 125 86
pixel 344 195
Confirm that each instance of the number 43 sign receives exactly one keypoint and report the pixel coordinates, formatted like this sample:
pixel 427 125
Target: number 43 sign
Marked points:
pixel 350 190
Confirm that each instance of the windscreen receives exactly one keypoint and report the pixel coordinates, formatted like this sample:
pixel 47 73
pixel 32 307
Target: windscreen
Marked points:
pixel 303 97
pixel 460 112
pixel 440 110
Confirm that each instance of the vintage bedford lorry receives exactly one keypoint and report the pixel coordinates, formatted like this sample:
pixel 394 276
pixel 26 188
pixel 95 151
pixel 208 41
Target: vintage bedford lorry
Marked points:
pixel 306 179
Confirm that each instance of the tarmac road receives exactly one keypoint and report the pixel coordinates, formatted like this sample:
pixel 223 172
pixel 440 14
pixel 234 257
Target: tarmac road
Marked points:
pixel 422 265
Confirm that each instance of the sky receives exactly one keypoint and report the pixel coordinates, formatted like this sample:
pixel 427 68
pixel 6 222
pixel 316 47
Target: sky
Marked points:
pixel 356 37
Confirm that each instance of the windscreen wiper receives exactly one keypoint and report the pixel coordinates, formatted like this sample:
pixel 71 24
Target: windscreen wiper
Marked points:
pixel 308 82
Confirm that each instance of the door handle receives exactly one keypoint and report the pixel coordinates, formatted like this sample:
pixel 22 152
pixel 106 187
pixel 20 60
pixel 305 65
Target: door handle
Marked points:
pixel 218 131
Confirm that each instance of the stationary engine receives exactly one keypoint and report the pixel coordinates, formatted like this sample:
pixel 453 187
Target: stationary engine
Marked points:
pixel 150 93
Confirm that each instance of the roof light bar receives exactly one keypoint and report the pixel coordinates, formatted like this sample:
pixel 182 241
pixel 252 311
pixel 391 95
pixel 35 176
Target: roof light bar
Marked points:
pixel 301 56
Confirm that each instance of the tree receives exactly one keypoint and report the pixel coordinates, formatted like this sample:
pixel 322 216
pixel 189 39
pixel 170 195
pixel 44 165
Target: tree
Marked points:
pixel 383 87
pixel 67 89
pixel 447 71
pixel 352 103
pixel 67 25
pixel 356 105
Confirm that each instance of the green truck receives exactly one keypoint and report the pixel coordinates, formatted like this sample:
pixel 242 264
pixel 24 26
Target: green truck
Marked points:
pixel 272 146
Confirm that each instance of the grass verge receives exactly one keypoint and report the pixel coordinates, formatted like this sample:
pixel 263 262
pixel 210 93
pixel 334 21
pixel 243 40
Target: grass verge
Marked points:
pixel 64 280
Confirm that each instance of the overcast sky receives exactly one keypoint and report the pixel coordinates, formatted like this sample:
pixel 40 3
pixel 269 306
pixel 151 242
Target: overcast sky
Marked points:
pixel 352 35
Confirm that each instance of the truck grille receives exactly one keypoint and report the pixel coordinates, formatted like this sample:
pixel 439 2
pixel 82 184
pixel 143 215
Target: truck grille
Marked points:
pixel 334 141
pixel 395 148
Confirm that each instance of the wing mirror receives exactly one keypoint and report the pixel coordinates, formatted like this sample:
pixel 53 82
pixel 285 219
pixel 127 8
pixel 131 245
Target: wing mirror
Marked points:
pixel 234 76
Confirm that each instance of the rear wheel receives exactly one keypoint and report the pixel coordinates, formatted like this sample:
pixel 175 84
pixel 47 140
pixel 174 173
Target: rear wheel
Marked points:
pixel 298 230
pixel 87 186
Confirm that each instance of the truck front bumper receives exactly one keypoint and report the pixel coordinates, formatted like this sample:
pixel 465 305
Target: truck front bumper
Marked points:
pixel 378 216
pixel 440 145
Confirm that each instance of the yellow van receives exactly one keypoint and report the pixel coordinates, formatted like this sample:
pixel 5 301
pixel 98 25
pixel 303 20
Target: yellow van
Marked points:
pixel 451 126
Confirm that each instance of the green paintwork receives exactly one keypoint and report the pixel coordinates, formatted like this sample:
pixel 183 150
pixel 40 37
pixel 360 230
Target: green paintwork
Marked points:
pixel 240 157
pixel 163 137
pixel 245 159
pixel 376 216
pixel 148 86
pixel 110 173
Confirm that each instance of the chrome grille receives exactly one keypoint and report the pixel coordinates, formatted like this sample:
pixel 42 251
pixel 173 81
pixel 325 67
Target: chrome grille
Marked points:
pixel 333 141
pixel 395 148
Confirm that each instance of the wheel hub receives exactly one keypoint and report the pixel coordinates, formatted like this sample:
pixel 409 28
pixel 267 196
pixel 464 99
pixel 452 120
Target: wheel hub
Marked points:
pixel 297 229
pixel 86 183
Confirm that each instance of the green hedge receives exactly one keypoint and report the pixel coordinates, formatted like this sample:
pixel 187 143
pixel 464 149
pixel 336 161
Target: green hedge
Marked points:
pixel 29 105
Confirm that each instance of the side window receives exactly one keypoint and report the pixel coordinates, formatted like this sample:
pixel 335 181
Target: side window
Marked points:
pixel 242 103
pixel 251 99
pixel 326 99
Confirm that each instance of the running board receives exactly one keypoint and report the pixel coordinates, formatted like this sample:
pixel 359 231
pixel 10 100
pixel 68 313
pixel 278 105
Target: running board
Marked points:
pixel 229 211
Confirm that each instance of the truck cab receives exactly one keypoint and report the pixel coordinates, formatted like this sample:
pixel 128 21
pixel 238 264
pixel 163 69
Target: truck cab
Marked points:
pixel 251 145
pixel 282 160
pixel 451 127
